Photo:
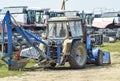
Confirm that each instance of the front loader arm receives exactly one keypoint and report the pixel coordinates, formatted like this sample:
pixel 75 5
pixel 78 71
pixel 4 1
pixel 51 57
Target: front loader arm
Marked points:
pixel 5 23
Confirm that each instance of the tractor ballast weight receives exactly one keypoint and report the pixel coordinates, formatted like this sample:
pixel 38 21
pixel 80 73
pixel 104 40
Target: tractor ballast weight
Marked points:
pixel 63 46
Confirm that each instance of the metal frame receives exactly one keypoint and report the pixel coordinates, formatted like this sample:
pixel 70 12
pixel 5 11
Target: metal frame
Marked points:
pixel 7 22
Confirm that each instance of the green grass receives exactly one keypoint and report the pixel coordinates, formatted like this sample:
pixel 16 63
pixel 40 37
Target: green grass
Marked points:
pixel 111 47
pixel 4 71
pixel 31 63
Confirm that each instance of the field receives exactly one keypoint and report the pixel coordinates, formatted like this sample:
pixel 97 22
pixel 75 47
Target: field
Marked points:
pixel 4 71
pixel 90 73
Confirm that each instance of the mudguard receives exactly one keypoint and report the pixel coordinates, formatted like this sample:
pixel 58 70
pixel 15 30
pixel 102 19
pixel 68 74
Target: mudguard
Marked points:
pixel 106 55
pixel 95 52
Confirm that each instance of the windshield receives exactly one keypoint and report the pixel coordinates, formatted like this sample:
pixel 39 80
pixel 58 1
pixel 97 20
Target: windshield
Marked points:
pixel 35 16
pixel 57 30
pixel 56 14
pixel 60 14
pixel 76 28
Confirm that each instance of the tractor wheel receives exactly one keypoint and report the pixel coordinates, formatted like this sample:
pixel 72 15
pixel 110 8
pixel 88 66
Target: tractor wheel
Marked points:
pixel 78 55
pixel 99 60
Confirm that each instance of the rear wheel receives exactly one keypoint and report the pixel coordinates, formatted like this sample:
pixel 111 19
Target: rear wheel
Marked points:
pixel 78 55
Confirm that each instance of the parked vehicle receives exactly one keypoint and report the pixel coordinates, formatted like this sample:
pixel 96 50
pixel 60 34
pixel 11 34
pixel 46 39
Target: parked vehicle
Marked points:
pixel 109 22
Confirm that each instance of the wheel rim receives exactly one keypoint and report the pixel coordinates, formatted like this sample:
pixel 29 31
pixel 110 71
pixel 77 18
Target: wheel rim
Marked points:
pixel 80 56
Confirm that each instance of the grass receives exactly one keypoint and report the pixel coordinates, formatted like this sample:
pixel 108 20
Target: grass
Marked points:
pixel 4 71
pixel 111 47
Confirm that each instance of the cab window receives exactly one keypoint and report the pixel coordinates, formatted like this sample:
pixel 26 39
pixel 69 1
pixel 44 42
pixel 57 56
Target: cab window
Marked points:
pixel 76 28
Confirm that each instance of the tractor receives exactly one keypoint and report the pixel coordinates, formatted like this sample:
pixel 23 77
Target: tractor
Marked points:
pixel 65 40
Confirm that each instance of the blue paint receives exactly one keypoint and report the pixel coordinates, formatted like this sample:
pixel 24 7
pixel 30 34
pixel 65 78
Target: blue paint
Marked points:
pixel 88 43
pixel 95 52
pixel 59 53
pixel 7 19
pixel 26 34
pixel 106 57
pixel 59 49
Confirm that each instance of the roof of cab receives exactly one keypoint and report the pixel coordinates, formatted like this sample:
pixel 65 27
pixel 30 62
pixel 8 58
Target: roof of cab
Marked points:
pixel 72 18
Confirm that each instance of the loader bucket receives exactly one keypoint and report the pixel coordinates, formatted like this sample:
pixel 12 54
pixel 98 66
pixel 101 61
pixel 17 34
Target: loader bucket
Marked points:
pixel 106 57
pixel 18 64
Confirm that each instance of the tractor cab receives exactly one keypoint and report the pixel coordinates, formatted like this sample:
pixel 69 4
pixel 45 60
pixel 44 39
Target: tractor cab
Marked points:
pixel 67 37
pixel 63 35
pixel 36 15
pixel 64 27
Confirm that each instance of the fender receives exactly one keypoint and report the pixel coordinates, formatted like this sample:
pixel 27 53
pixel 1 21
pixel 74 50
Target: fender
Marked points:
pixel 95 52
pixel 72 40
pixel 67 46
pixel 106 55
pixel 68 43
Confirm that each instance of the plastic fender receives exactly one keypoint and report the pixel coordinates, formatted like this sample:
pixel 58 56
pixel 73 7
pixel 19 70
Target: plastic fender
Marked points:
pixel 106 57
pixel 95 52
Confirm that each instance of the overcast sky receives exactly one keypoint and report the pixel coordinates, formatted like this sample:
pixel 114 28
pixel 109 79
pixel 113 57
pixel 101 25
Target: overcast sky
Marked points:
pixel 88 5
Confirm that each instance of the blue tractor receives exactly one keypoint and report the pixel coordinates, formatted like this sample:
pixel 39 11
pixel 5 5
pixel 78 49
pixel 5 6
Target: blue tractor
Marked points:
pixel 65 40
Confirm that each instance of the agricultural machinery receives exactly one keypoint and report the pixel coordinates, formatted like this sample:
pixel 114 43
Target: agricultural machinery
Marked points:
pixel 65 40
pixel 108 25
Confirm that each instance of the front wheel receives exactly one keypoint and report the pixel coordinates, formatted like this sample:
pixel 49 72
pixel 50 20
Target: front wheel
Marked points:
pixel 99 60
pixel 78 55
